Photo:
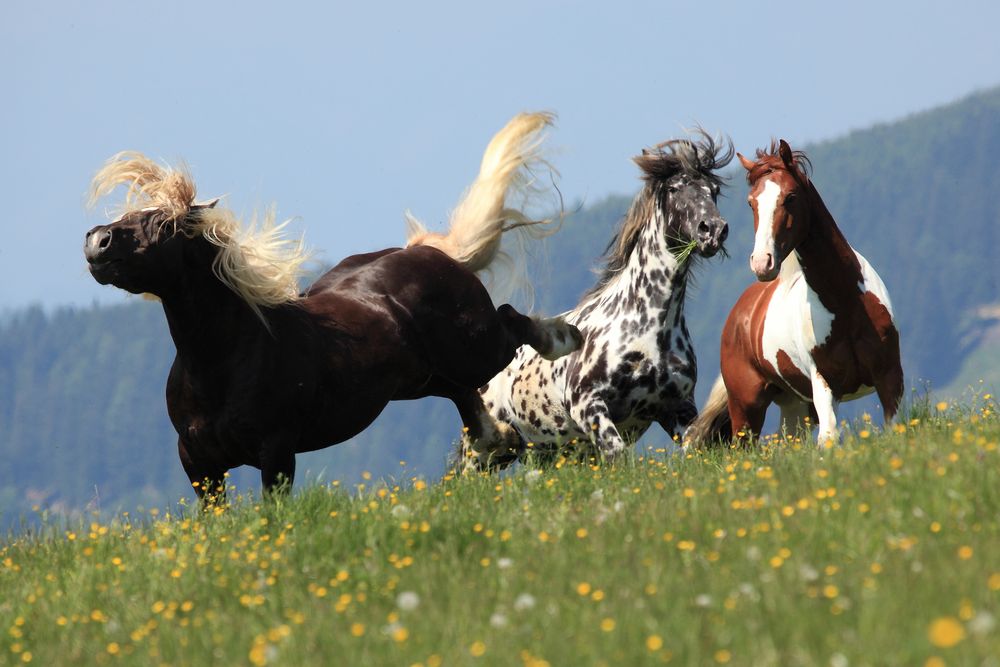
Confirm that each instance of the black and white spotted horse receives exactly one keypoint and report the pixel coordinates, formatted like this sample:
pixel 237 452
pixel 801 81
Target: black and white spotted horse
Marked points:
pixel 637 364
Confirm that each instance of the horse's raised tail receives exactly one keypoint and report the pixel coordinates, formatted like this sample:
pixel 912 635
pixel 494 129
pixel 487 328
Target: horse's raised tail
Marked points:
pixel 493 203
pixel 712 424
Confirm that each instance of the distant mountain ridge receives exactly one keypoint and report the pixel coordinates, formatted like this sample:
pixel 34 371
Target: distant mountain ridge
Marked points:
pixel 82 413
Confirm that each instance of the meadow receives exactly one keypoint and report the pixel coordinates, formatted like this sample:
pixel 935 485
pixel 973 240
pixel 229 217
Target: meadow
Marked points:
pixel 882 550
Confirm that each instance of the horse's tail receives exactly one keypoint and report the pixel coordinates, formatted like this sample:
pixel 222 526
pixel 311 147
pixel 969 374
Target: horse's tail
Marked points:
pixel 712 423
pixel 493 203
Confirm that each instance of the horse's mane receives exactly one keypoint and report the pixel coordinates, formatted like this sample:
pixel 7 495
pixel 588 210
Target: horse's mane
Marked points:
pixel 769 159
pixel 699 159
pixel 256 261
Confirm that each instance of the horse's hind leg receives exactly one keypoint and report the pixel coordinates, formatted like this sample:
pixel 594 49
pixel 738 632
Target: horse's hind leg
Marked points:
pixel 890 391
pixel 551 337
pixel 486 443
pixel 748 399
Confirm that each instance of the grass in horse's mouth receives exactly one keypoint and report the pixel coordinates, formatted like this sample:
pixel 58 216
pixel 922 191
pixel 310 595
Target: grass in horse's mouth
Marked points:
pixel 683 250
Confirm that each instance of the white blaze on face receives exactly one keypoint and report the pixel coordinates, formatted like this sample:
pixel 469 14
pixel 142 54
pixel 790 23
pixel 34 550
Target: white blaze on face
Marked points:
pixel 763 243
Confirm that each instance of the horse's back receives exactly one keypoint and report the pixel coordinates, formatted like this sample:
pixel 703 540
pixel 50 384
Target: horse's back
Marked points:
pixel 344 268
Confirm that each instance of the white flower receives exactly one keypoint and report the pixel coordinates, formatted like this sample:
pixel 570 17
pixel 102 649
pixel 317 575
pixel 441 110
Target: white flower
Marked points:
pixel 524 601
pixel 400 511
pixel 808 573
pixel 407 601
pixel 703 600
pixel 839 660
pixel 532 476
pixel 504 563
pixel 982 623
pixel 597 496
pixel 498 620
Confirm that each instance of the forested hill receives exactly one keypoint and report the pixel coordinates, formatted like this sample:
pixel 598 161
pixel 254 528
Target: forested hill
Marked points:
pixel 919 198
pixel 82 414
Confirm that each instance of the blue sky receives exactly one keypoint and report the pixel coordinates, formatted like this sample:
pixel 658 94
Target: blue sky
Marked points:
pixel 345 114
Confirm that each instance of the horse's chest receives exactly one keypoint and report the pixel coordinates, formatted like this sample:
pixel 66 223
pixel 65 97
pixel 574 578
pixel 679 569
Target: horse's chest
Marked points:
pixel 637 368
pixel 222 416
pixel 639 381
pixel 802 338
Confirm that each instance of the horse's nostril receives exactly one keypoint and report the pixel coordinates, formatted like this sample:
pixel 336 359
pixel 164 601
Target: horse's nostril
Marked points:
pixel 105 240
pixel 702 227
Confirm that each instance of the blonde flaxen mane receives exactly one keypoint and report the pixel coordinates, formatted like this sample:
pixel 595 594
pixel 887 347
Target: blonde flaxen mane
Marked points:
pixel 256 261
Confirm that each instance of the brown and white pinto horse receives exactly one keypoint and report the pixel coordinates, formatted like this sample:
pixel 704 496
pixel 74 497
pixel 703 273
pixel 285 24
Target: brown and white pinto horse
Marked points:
pixel 818 327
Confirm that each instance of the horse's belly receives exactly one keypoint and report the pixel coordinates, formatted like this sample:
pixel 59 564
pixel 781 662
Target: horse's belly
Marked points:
pixel 526 396
pixel 861 391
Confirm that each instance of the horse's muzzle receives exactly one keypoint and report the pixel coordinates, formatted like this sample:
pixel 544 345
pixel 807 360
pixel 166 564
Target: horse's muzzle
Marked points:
pixel 711 236
pixel 96 243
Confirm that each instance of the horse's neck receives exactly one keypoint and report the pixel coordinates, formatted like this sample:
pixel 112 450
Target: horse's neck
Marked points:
pixel 653 279
pixel 206 319
pixel 827 260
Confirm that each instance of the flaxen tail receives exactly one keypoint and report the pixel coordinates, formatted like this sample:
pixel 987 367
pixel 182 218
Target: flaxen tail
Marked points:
pixel 494 202
pixel 712 424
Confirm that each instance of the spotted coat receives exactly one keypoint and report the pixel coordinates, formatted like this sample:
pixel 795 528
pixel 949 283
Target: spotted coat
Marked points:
pixel 637 364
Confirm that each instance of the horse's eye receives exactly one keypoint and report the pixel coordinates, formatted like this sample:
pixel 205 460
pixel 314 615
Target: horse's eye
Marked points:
pixel 790 197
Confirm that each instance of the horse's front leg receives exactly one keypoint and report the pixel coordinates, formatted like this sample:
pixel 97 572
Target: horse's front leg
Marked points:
pixel 677 416
pixel 594 418
pixel 208 481
pixel 826 410
pixel 277 464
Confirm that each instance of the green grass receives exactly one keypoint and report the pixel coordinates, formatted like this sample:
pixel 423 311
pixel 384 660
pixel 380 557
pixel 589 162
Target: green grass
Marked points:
pixel 883 550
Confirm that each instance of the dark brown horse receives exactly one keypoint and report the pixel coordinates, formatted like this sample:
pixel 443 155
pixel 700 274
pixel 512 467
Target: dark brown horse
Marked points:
pixel 816 330
pixel 263 372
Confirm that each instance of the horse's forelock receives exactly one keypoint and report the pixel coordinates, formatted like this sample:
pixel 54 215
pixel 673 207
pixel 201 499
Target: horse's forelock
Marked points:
pixel 769 159
pixel 699 157
pixel 148 184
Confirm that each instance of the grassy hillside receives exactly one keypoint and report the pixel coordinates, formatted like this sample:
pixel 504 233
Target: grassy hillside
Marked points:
pixel 82 416
pixel 881 551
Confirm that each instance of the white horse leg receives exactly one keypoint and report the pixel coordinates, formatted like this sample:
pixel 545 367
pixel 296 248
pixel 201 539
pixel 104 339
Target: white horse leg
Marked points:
pixel 826 410
pixel 591 415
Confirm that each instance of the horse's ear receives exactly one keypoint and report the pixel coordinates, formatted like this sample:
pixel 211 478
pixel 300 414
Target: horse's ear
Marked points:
pixel 786 154
pixel 747 164
pixel 205 204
